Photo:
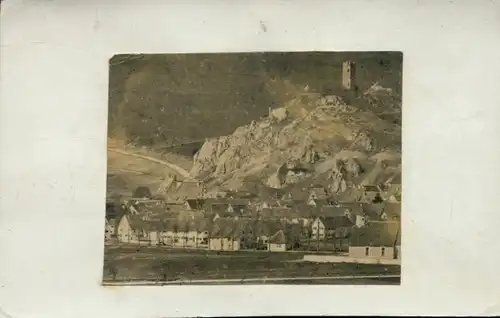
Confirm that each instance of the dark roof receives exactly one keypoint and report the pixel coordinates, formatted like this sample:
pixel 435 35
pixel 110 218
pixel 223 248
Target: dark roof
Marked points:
pixel 336 222
pixel 372 210
pixel 298 194
pixel 203 224
pixel 219 208
pixel 276 212
pixel 332 211
pixel 220 226
pixel 239 208
pixel 396 179
pixel 324 201
pixel 226 228
pixel 371 188
pixel 392 210
pixel 305 210
pixel 272 203
pixel 137 223
pixel 266 227
pixel 114 211
pixel 142 192
pixel 196 204
pixel 350 195
pixel 293 231
pixel 111 222
pixel 290 203
pixel 377 234
pixel 243 202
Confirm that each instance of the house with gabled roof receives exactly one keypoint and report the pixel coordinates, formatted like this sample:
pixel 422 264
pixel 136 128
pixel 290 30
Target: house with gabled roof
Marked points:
pixel 262 231
pixel 226 235
pixel 276 213
pixel 372 211
pixel 331 227
pixel 277 242
pixel 195 204
pixel 318 192
pixel 197 232
pixel 391 212
pixel 268 204
pixel 133 229
pixel 351 194
pixel 377 239
pixel 319 202
pixel 225 210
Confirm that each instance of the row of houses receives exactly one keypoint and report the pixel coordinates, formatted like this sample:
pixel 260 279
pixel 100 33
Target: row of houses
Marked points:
pixel 374 239
pixel 222 234
pixel 294 211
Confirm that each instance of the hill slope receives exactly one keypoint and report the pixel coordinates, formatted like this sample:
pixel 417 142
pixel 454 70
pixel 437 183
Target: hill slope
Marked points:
pixel 311 139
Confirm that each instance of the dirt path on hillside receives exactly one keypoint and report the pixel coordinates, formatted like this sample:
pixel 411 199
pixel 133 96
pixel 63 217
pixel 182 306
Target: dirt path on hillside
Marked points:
pixel 170 165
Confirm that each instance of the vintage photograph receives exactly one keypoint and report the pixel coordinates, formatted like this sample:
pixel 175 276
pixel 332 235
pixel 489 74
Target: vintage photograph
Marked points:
pixel 254 168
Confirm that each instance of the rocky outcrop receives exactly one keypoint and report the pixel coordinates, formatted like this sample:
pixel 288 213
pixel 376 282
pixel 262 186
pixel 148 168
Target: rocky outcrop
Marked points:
pixel 277 147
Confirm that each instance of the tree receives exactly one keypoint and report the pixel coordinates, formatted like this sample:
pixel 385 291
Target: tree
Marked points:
pixel 377 199
pixel 142 192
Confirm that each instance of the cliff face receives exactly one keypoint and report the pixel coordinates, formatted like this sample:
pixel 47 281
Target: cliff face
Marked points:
pixel 311 138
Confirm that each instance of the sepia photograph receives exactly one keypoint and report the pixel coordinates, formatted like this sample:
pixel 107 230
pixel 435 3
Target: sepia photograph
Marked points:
pixel 254 168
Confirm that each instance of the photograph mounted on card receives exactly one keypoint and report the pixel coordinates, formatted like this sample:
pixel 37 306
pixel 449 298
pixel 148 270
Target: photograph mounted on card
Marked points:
pixel 254 168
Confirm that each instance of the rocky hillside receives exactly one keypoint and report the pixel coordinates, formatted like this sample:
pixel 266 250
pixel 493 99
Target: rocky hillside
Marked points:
pixel 180 99
pixel 310 139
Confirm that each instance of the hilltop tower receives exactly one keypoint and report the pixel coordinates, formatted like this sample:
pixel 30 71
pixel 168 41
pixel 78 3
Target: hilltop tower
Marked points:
pixel 349 75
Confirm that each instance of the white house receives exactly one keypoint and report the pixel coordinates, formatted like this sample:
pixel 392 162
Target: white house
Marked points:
pixel 330 227
pixel 110 228
pixel 377 239
pixel 277 242
pixel 134 230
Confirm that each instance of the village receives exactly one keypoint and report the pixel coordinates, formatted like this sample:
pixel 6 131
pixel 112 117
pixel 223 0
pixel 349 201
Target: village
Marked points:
pixel 312 220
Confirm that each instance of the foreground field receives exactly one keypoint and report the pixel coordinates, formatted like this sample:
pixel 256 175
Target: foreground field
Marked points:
pixel 128 264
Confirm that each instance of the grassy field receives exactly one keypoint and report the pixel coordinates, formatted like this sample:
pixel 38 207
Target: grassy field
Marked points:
pixel 152 264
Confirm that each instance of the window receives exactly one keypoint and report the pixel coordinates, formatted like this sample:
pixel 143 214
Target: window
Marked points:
pixel 382 252
pixel 367 251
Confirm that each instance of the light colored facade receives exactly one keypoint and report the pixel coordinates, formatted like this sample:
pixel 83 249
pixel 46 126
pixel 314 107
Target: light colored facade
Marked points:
pixel 125 233
pixel 386 252
pixel 192 238
pixel 167 238
pixel 276 247
pixel 215 244
pixel 357 219
pixel 277 242
pixel 318 229
pixel 180 239
pixel 110 229
pixel 202 239
pixel 128 233
pixel 224 244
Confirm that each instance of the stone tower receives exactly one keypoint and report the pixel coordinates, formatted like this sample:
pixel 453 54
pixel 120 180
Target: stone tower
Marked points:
pixel 349 75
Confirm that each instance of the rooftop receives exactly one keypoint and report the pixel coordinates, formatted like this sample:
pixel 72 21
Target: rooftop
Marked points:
pixel 377 234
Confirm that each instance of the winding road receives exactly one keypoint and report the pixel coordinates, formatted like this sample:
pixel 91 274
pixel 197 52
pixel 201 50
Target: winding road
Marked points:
pixel 170 165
